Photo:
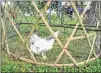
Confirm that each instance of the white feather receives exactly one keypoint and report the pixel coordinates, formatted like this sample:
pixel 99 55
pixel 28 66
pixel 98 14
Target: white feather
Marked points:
pixel 34 38
pixel 41 45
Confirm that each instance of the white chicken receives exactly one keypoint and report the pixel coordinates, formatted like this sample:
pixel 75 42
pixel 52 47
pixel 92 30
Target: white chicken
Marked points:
pixel 40 45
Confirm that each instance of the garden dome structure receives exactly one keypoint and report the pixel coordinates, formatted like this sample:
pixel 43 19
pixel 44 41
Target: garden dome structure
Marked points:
pixel 79 41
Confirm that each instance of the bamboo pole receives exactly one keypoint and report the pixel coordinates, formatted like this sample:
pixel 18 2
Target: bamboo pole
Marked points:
pixel 13 25
pixel 81 37
pixel 3 34
pixel 99 10
pixel 80 21
pixel 5 37
pixel 92 48
pixel 7 47
pixel 58 65
pixel 74 31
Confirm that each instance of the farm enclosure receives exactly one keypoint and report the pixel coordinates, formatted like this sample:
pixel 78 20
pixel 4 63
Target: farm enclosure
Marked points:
pixel 19 21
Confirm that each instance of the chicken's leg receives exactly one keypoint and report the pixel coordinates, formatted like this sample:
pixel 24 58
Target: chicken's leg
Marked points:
pixel 44 56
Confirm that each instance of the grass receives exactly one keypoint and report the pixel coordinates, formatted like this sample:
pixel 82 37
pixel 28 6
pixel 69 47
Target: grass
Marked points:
pixel 9 64
pixel 79 49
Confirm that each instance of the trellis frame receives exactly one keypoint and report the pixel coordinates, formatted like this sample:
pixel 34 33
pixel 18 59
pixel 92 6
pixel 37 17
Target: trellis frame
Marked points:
pixel 63 47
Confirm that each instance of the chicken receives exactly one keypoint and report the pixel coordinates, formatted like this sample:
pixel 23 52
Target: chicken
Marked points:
pixel 42 45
